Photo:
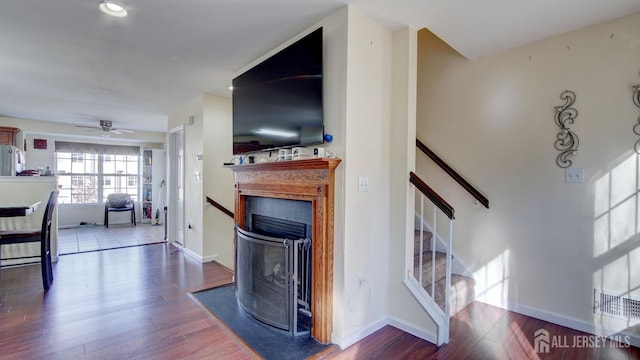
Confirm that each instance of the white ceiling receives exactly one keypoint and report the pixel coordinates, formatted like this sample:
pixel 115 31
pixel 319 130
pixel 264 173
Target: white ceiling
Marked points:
pixel 65 61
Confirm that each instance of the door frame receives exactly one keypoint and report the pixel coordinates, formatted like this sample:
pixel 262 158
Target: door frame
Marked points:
pixel 175 222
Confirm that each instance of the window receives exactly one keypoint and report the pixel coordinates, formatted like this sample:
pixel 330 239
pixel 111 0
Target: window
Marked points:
pixel 88 178
pixel 77 157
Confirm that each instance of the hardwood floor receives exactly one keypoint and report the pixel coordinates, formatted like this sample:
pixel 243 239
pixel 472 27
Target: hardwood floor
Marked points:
pixel 133 303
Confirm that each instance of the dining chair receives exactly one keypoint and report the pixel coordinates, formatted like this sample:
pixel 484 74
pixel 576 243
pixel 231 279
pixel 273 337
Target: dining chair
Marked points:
pixel 119 202
pixel 42 235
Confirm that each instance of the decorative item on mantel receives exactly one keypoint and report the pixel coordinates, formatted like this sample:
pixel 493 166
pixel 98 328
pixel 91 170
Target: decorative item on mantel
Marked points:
pixel 636 127
pixel 566 141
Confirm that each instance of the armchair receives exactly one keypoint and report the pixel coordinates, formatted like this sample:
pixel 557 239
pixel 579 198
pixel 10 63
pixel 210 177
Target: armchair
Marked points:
pixel 118 203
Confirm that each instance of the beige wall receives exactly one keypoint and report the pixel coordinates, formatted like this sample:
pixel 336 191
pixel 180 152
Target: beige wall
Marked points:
pixel 218 181
pixel 544 245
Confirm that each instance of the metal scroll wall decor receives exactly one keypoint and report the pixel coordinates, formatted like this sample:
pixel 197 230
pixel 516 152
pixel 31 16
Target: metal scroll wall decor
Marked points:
pixel 566 141
pixel 636 127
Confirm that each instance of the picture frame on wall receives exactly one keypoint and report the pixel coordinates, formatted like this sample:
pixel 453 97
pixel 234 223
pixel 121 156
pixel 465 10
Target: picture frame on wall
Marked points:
pixel 40 144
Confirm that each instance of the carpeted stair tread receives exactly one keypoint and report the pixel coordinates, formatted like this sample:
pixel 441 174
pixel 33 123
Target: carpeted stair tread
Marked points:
pixel 462 287
pixel 462 292
pixel 440 266
pixel 416 241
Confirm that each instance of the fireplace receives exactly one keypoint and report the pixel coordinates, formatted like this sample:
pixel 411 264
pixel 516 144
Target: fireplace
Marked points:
pixel 310 182
pixel 274 263
pixel 274 280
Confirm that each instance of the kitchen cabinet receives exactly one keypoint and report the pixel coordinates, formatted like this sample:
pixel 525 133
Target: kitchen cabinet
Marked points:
pixel 8 135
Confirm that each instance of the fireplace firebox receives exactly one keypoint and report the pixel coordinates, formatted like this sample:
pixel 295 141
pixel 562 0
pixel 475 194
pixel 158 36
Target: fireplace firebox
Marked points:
pixel 274 278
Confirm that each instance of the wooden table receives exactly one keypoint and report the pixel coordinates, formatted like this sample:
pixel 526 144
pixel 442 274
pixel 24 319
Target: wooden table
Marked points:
pixel 19 210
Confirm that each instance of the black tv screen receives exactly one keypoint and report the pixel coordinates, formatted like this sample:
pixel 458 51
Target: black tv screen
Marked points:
pixel 278 103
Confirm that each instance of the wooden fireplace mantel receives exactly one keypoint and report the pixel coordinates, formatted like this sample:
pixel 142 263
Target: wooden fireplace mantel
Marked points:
pixel 309 180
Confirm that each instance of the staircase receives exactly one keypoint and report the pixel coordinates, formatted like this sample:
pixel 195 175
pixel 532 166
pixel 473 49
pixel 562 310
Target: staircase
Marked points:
pixel 462 287
pixel 434 279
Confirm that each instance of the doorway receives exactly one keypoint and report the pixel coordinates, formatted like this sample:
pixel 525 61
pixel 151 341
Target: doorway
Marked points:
pixel 176 185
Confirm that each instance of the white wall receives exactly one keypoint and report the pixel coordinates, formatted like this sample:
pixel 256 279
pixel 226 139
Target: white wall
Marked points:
pixel 71 131
pixel 404 311
pixel 358 99
pixel 544 245
pixel 211 234
pixel 193 184
pixel 357 112
pixel 366 214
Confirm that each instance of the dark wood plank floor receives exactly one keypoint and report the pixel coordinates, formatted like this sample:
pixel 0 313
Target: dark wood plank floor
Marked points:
pixel 133 303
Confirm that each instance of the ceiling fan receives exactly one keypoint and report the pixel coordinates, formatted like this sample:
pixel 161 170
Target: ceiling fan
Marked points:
pixel 106 126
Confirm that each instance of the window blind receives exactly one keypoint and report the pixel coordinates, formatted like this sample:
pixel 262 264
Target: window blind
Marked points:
pixel 89 148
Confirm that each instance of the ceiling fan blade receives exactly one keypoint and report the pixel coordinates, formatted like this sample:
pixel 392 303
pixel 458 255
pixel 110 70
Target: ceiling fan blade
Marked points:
pixel 120 131
pixel 105 128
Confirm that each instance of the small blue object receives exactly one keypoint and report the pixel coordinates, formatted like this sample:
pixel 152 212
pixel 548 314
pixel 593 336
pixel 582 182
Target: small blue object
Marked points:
pixel 328 137
pixel 241 160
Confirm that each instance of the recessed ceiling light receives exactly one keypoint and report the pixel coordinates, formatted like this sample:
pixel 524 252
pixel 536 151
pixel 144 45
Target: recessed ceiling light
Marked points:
pixel 113 9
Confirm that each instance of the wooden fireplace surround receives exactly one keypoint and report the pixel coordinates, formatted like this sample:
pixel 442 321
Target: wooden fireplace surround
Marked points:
pixel 309 180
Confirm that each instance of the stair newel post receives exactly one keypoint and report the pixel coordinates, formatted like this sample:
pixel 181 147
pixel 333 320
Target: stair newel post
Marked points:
pixel 420 260
pixel 434 234
pixel 447 293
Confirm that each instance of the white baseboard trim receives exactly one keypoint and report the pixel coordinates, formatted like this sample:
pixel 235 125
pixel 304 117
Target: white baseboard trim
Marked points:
pixel 73 226
pixel 411 329
pixel 191 254
pixel 354 337
pixel 362 333
pixel 195 256
pixel 570 322
pixel 211 258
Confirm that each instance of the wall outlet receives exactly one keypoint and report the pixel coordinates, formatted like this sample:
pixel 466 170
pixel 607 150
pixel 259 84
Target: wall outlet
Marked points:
pixel 574 175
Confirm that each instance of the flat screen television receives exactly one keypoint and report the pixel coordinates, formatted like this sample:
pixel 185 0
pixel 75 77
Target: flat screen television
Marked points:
pixel 278 103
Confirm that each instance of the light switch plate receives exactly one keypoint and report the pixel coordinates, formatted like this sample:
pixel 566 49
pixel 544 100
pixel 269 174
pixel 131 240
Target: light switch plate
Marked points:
pixel 363 183
pixel 573 175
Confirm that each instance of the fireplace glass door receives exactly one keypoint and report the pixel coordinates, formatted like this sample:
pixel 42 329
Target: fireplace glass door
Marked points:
pixel 263 283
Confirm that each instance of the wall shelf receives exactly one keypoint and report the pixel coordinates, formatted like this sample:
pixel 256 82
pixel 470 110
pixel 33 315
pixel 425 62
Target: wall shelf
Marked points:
pixel 152 188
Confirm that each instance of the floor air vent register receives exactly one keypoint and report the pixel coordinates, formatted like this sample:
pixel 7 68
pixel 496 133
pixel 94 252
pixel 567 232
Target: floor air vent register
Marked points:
pixel 620 306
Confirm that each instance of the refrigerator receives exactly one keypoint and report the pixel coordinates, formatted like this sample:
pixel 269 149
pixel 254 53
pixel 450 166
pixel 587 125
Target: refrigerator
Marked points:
pixel 11 160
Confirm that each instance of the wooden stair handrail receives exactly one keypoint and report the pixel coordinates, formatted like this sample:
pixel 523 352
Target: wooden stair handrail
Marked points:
pixel 220 207
pixel 427 191
pixel 457 177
